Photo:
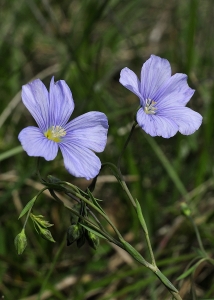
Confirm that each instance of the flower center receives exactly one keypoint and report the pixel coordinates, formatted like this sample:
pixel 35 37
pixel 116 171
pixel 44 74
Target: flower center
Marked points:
pixel 55 133
pixel 150 108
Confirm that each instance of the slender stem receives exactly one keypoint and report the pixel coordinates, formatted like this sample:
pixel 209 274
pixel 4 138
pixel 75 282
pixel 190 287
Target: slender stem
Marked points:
pixel 87 208
pixel 28 214
pixel 126 143
pixel 29 211
pixel 150 249
pixel 100 230
pixel 176 295
pixel 122 244
pixel 143 225
pixel 177 181
pixel 167 165
pixel 197 235
pixel 100 212
pixel 125 188
pixel 37 170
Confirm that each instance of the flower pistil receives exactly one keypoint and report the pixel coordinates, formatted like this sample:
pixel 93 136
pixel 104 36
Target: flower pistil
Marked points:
pixel 55 133
pixel 150 108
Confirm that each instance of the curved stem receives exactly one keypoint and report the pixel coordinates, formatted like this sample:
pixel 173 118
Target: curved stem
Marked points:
pixel 121 243
pixel 100 230
pixel 126 143
pixel 201 246
pixel 87 208
pixel 143 223
pixel 38 172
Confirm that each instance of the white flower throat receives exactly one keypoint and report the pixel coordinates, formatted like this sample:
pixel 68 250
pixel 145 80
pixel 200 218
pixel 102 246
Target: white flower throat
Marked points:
pixel 150 108
pixel 55 133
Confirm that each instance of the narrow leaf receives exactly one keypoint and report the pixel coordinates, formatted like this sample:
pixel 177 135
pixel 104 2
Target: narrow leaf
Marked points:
pixel 28 206
pixel 140 216
pixel 188 272
pixel 94 200
pixel 165 281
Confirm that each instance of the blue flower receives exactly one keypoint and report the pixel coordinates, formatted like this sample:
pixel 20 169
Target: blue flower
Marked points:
pixel 76 139
pixel 162 99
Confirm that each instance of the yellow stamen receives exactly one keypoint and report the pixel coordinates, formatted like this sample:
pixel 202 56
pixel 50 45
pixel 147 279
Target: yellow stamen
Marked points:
pixel 55 133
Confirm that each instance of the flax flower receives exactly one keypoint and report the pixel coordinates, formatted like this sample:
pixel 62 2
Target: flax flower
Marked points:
pixel 163 99
pixel 76 139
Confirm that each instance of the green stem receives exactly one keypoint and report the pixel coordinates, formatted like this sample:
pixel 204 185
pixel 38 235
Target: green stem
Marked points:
pixel 120 179
pixel 122 244
pixel 28 214
pixel 201 246
pixel 29 211
pixel 177 181
pixel 126 143
pixel 167 165
pixel 37 170
pixel 100 230
pixel 125 188
pixel 142 221
pixel 100 212
pixel 150 248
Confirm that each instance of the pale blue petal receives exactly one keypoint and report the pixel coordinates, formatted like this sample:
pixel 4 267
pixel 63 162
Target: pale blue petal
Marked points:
pixel 35 98
pixel 156 125
pixel 36 144
pixel 174 91
pixel 155 72
pixel 187 120
pixel 129 79
pixel 79 161
pixel 88 130
pixel 61 103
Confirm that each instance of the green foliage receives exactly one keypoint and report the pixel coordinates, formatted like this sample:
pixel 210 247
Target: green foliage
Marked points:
pixel 87 43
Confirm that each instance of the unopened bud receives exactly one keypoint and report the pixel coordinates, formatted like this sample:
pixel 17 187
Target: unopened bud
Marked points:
pixel 92 239
pixel 73 233
pixel 40 221
pixel 53 179
pixel 81 240
pixel 20 242
pixel 46 234
pixel 185 209
pixel 74 218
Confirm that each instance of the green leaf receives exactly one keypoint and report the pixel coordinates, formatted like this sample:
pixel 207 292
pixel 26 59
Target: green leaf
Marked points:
pixel 28 206
pixel 188 272
pixel 165 281
pixel 134 253
pixel 94 200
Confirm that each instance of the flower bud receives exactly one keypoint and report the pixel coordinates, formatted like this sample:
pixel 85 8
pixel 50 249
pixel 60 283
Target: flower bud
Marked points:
pixel 20 242
pixel 40 221
pixel 92 239
pixel 53 179
pixel 46 234
pixel 74 218
pixel 81 240
pixel 73 233
pixel 185 209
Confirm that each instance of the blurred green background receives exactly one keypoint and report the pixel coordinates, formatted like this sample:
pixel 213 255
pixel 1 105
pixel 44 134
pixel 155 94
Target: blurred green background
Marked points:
pixel 87 43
